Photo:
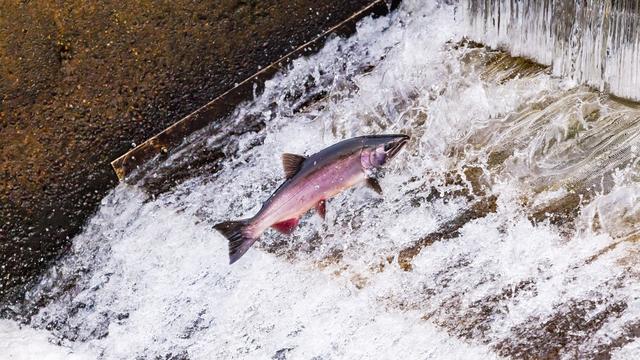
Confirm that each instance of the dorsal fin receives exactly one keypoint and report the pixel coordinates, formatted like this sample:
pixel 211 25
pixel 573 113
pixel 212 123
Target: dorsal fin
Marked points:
pixel 291 164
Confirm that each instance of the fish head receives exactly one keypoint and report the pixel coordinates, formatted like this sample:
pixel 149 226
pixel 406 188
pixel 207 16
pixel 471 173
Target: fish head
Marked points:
pixel 378 149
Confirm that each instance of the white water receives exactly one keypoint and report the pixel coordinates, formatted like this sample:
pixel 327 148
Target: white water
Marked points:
pixel 149 277
pixel 596 42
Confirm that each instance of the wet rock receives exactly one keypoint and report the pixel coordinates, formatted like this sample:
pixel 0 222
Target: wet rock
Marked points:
pixel 449 230
pixel 281 354
pixel 562 334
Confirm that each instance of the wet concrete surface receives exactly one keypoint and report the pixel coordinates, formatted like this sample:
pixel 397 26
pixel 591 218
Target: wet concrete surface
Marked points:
pixel 82 82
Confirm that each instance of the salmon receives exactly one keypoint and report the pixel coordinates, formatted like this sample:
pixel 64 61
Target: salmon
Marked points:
pixel 310 182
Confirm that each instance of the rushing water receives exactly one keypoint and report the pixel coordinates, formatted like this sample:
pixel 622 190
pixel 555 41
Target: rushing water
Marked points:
pixel 508 226
pixel 592 41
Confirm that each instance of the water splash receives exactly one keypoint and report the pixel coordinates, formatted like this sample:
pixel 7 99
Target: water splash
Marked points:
pixel 508 226
pixel 593 42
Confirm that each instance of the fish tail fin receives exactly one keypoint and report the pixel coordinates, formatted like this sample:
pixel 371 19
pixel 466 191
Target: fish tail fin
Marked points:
pixel 239 235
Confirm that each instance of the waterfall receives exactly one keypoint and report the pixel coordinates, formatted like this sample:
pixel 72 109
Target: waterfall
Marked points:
pixel 594 42
pixel 509 225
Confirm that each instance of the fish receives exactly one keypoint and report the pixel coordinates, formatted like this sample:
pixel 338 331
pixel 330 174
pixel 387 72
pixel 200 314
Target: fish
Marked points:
pixel 310 182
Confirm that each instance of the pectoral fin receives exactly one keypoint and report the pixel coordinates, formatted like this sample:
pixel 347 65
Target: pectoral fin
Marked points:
pixel 321 208
pixel 286 226
pixel 374 185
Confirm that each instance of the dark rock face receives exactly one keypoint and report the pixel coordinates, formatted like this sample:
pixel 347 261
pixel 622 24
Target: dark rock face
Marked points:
pixel 81 82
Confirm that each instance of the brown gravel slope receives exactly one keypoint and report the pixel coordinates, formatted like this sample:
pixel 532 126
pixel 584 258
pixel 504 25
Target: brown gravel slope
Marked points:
pixel 81 81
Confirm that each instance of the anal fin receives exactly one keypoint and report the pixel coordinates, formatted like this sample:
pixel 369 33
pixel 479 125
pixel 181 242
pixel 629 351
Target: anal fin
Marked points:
pixel 286 226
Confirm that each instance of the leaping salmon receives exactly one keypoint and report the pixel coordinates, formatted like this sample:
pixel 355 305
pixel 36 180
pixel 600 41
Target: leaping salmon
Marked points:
pixel 310 181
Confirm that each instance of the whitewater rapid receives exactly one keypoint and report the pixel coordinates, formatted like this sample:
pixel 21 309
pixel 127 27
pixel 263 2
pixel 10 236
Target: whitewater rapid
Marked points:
pixel 507 228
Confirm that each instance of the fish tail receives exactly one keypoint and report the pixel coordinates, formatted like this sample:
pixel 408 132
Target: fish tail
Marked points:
pixel 239 235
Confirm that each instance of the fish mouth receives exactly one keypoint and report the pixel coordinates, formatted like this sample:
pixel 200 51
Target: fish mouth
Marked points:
pixel 394 147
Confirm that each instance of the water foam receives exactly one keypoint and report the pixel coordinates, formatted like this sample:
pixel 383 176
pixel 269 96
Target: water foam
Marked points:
pixel 149 277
